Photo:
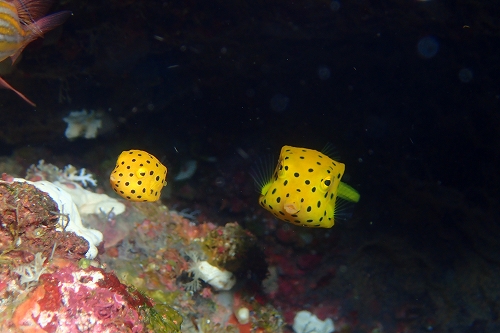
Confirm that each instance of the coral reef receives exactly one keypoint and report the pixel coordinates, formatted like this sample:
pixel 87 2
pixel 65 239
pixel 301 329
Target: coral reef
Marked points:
pixel 30 223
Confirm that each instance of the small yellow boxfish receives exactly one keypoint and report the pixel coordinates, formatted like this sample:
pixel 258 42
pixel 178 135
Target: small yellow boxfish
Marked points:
pixel 21 22
pixel 305 188
pixel 138 176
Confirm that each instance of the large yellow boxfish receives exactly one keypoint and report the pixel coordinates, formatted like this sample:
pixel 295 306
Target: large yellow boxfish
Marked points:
pixel 305 188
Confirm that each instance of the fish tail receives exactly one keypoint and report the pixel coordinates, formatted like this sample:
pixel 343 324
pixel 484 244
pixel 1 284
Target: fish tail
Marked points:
pixel 39 28
pixel 346 192
pixel 47 23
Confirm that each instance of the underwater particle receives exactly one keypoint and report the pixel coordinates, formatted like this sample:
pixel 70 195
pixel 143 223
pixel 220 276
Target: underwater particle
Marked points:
pixel 279 103
pixel 428 47
pixel 465 75
pixel 335 5
pixel 220 182
pixel 323 73
pixel 250 93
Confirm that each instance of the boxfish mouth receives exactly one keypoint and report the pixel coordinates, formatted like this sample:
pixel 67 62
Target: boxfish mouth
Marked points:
pixel 291 207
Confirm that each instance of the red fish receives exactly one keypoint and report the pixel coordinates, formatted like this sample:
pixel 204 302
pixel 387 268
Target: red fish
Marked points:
pixel 21 22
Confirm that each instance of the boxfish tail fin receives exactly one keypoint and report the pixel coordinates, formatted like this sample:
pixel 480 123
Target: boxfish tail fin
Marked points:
pixel 4 84
pixel 346 192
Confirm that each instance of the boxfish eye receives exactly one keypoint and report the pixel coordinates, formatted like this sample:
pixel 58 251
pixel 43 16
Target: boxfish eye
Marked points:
pixel 326 183
pixel 281 170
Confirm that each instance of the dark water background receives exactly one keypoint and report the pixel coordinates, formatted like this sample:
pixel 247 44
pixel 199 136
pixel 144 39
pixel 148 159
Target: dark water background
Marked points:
pixel 408 91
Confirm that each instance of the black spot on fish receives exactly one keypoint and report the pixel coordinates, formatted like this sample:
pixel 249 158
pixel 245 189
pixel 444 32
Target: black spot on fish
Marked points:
pixel 309 221
pixel 320 156
pixel 123 162
pixel 294 215
pixel 139 182
pixel 296 174
pixel 139 196
pixel 282 213
pixel 286 167
pixel 278 199
pixel 321 218
pixel 127 183
pixel 301 157
pixel 144 190
pixel 120 174
pixel 287 195
pixel 128 167
pixel 128 197
pixel 274 191
pixel 143 174
pixel 133 160
pixel 285 182
pixel 318 163
pixel 319 204
pixel 308 208
pixel 148 161
pixel 338 176
pixel 327 182
pixel 151 172
pixel 302 200
pixel 313 189
pixel 331 196
pixel 310 170
pixel 157 178
pixel 141 164
pixel 307 182
pixel 133 191
pixel 328 171
pixel 270 207
pixel 131 174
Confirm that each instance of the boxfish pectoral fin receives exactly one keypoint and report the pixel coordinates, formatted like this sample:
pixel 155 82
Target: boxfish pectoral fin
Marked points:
pixel 346 192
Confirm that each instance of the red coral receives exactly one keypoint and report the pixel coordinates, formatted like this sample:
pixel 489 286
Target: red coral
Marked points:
pixel 73 299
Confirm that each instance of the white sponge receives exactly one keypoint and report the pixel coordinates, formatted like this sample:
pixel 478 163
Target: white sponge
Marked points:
pixel 305 321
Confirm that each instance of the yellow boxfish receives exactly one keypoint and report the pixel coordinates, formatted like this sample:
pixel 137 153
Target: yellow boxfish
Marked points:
pixel 21 22
pixel 305 188
pixel 138 176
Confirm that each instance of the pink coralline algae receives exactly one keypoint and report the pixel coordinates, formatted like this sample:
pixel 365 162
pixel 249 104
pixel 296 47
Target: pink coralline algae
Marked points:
pixel 81 300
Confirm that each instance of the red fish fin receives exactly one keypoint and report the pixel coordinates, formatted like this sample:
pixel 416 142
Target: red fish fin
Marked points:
pixel 4 84
pixel 47 23
pixel 31 10
pixel 38 28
